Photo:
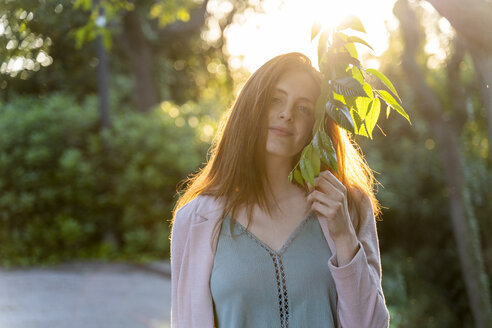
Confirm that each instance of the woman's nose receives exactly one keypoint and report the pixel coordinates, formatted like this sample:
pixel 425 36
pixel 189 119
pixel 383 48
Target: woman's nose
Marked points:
pixel 286 112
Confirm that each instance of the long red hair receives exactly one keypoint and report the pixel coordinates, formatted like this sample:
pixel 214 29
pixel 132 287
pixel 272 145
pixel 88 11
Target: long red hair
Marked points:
pixel 235 171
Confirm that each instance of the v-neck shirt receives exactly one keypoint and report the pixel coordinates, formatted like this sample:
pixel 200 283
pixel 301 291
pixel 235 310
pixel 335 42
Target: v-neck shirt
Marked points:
pixel 253 285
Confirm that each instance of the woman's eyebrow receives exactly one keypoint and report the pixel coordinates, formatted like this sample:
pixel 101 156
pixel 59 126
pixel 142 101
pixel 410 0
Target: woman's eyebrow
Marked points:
pixel 280 91
pixel 300 98
pixel 307 100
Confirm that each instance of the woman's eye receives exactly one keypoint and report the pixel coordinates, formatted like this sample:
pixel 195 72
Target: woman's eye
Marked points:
pixel 303 108
pixel 276 101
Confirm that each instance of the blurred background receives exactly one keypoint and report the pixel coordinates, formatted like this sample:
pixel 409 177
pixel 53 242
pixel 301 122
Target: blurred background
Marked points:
pixel 105 106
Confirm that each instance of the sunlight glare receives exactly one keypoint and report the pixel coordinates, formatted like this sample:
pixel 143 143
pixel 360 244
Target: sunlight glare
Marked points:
pixel 286 26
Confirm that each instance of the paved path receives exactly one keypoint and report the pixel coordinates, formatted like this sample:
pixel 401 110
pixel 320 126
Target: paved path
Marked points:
pixel 86 295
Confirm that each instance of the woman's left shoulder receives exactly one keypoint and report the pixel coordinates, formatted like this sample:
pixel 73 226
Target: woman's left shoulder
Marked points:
pixel 360 197
pixel 360 207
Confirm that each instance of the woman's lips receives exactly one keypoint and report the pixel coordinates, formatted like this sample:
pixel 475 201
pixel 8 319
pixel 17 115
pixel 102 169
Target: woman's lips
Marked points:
pixel 281 132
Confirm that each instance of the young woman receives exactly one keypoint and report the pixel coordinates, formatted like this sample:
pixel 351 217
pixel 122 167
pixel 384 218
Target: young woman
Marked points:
pixel 251 249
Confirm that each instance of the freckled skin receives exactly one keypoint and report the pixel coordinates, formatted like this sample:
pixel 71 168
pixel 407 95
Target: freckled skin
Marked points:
pixel 292 108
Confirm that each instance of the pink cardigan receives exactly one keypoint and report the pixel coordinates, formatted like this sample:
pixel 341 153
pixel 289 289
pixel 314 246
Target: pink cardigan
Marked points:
pixel 360 297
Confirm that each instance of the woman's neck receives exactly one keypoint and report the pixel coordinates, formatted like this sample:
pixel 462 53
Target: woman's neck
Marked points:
pixel 278 169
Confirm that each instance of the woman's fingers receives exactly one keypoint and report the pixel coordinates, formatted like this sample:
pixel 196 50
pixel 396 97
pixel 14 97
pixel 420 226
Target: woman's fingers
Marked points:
pixel 323 198
pixel 318 198
pixel 310 188
pixel 328 176
pixel 327 187
pixel 328 197
pixel 323 210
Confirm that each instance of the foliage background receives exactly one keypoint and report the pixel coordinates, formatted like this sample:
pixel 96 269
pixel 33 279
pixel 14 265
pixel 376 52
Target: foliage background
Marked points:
pixel 71 190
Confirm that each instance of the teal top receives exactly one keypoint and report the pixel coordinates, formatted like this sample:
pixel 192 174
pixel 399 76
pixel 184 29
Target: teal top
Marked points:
pixel 254 286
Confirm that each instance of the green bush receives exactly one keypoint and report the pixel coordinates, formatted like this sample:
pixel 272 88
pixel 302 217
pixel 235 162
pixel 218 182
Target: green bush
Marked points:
pixel 68 191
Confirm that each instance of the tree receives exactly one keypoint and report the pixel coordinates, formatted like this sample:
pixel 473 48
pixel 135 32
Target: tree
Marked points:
pixel 472 21
pixel 447 126
pixel 155 47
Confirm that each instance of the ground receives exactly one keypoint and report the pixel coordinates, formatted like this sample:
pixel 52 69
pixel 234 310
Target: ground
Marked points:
pixel 92 295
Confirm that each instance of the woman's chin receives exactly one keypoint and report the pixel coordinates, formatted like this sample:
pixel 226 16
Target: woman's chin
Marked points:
pixel 278 153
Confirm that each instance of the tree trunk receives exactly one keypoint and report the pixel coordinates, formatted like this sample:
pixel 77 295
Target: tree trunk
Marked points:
pixel 139 49
pixel 139 54
pixel 105 123
pixel 464 226
pixel 483 69
pixel 102 79
pixel 447 134
pixel 472 21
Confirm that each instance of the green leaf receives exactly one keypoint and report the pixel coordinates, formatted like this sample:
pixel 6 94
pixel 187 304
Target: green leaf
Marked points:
pixel 352 50
pixel 317 143
pixel 383 79
pixel 325 65
pixel 358 123
pixel 346 100
pixel 348 86
pixel 319 109
pixel 315 162
pixel 344 59
pixel 306 168
pixel 340 114
pixel 393 103
pixel 363 106
pixel 325 158
pixel 368 89
pixel 315 29
pixel 372 116
pixel 334 104
pixel 363 130
pixel 388 108
pixel 338 97
pixel 359 40
pixel 319 148
pixel 329 159
pixel 357 74
pixel 298 177
pixel 352 22
pixel 339 39
pixel 322 46
pixel 350 101
pixel 327 143
pixel 328 151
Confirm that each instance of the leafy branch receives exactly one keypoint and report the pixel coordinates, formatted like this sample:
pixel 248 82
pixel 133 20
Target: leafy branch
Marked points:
pixel 346 97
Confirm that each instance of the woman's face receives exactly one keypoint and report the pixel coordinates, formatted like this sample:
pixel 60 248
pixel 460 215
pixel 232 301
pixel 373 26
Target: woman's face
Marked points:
pixel 291 114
